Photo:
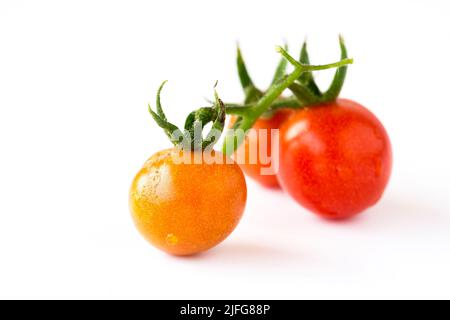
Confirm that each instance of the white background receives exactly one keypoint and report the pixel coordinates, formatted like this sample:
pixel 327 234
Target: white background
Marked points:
pixel 75 78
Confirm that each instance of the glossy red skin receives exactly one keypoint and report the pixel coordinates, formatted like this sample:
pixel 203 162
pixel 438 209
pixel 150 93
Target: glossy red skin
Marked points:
pixel 254 170
pixel 335 159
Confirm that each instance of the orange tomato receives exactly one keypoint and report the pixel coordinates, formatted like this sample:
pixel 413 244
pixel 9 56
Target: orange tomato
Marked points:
pixel 253 168
pixel 187 208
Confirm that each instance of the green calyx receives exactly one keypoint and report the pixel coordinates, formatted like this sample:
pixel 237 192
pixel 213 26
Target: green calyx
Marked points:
pixel 305 91
pixel 191 137
pixel 252 93
pixel 300 82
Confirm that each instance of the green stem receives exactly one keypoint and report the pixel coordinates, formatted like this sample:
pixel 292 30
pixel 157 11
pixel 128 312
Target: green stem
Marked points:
pixel 238 110
pixel 243 109
pixel 290 102
pixel 309 68
pixel 274 92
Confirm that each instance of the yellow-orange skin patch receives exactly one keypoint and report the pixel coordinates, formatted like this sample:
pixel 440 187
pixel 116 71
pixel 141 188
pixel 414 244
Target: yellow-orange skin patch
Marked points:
pixel 184 209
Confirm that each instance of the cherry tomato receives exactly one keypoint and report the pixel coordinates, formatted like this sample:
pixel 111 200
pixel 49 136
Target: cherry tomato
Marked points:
pixel 335 158
pixel 253 168
pixel 187 208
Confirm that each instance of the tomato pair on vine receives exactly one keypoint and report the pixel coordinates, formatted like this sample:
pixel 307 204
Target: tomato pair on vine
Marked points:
pixel 335 156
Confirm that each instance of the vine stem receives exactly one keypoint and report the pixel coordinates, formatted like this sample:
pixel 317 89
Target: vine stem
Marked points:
pixel 242 109
pixel 251 114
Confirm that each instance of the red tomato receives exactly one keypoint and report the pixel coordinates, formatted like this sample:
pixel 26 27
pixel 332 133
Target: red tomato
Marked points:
pixel 335 158
pixel 253 170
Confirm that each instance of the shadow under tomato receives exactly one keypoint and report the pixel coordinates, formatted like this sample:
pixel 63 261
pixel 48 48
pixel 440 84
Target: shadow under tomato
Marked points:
pixel 395 213
pixel 239 254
